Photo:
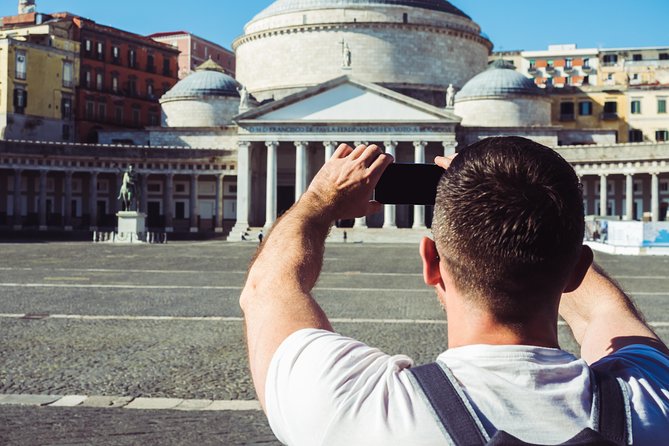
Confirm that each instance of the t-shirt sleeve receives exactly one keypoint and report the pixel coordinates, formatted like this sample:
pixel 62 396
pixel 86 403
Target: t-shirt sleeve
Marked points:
pixel 645 370
pixel 317 380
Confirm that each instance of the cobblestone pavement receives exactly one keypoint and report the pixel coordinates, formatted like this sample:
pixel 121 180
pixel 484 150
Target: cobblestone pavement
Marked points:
pixel 164 322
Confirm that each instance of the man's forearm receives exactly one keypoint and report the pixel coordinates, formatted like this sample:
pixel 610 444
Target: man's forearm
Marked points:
pixel 276 300
pixel 603 318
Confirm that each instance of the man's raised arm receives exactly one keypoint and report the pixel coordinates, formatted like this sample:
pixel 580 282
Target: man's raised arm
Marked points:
pixel 276 299
pixel 603 318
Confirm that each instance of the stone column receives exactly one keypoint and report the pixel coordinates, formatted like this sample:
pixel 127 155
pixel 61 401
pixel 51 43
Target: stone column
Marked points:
pixel 93 201
pixel 655 195
pixel 194 210
pixel 18 221
pixel 218 227
pixel 390 210
pixel 67 217
pixel 629 197
pixel 330 147
pixel 449 147
pixel 271 195
pixel 168 202
pixel 144 194
pixel 419 211
pixel 300 169
pixel 42 200
pixel 243 186
pixel 603 196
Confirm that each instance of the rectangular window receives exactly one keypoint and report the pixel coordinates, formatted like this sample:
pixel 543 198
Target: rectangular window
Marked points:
pixel 664 56
pixel 100 51
pixel 118 114
pixel 132 86
pixel 99 82
pixel 636 106
pixel 88 46
pixel 150 63
pixel 90 110
pixel 66 107
pixel 20 100
pixel 586 63
pixel 166 67
pixel 115 83
pixel 610 59
pixel 635 135
pixel 568 63
pixel 662 135
pixel 116 54
pixel 66 133
pixel 566 111
pixel 154 120
pixel 132 58
pixel 102 111
pixel 68 74
pixel 585 108
pixel 88 78
pixel 637 57
pixel 661 106
pixel 21 65
pixel 610 107
pixel 149 89
pixel 136 115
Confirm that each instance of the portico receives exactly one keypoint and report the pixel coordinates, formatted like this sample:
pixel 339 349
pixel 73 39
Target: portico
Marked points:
pixel 283 144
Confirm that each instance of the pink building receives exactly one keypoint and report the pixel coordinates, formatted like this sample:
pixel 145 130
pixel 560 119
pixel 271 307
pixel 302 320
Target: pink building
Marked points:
pixel 195 51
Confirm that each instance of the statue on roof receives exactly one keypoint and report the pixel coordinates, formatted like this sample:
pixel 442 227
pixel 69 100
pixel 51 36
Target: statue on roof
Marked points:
pixel 243 98
pixel 450 96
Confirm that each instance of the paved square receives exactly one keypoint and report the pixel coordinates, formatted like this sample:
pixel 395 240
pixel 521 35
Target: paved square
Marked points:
pixel 162 322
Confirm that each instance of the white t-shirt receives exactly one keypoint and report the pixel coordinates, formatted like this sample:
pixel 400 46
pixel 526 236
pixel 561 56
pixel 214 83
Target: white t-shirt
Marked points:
pixel 326 389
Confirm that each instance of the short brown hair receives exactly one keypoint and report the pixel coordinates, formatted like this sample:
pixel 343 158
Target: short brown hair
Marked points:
pixel 508 222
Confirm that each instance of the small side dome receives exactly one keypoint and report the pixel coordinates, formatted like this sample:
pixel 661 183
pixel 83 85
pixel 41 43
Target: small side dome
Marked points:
pixel 502 97
pixel 206 98
pixel 500 79
pixel 209 79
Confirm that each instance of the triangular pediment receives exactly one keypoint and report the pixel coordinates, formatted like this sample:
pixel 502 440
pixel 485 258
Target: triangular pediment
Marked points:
pixel 347 100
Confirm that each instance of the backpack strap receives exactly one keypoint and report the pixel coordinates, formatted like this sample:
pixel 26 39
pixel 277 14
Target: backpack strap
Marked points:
pixel 459 422
pixel 449 405
pixel 612 410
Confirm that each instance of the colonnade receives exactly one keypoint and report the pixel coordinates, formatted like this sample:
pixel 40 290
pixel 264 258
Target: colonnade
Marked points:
pixel 244 195
pixel 90 180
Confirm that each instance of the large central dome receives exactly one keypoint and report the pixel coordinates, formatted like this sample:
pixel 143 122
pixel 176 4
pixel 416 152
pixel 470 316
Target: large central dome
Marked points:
pixel 283 6
pixel 414 47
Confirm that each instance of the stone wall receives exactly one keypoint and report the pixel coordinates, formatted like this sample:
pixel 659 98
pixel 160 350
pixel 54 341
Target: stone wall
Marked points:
pixel 34 128
pixel 504 112
pixel 210 111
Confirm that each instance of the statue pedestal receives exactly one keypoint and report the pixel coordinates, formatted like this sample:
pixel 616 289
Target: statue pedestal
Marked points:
pixel 131 227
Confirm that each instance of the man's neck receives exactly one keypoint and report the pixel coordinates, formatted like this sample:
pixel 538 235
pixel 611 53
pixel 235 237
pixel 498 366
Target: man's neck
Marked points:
pixel 479 327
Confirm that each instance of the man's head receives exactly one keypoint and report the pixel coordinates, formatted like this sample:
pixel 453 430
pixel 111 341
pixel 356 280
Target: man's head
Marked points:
pixel 508 225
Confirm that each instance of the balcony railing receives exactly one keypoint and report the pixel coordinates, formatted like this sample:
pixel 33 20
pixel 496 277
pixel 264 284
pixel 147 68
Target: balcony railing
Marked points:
pixel 567 117
pixel 609 116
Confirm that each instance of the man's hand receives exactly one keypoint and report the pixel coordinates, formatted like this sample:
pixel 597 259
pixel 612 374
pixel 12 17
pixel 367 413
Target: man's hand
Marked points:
pixel 343 187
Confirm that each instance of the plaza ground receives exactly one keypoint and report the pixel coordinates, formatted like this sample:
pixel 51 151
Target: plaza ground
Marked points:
pixel 162 321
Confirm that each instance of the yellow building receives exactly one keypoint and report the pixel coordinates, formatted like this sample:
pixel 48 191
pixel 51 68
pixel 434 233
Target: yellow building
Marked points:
pixel 601 111
pixel 38 76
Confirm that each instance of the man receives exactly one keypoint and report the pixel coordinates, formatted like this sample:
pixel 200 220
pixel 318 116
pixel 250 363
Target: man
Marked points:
pixel 507 255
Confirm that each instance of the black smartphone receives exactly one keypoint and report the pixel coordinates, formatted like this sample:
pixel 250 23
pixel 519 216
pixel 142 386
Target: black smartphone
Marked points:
pixel 408 184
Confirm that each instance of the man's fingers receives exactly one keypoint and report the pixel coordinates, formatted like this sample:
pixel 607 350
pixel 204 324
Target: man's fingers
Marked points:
pixel 358 151
pixel 373 207
pixel 379 166
pixel 371 154
pixel 445 161
pixel 342 151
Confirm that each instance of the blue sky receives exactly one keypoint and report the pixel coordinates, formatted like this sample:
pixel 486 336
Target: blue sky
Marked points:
pixel 511 24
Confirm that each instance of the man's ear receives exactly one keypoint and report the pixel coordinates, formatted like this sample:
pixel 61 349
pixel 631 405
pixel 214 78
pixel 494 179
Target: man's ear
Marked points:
pixel 430 258
pixel 580 269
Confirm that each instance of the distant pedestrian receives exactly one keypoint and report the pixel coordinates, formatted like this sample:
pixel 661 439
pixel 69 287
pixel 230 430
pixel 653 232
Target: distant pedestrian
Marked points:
pixel 260 237
pixel 345 236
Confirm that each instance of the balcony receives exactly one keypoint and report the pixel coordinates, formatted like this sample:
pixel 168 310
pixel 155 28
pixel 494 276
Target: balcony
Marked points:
pixel 567 117
pixel 550 69
pixel 532 70
pixel 609 116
